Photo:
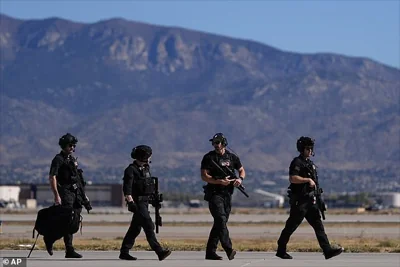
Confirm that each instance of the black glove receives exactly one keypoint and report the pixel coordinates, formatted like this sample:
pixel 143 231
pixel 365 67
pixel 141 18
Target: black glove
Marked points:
pixel 132 206
pixel 88 206
pixel 86 203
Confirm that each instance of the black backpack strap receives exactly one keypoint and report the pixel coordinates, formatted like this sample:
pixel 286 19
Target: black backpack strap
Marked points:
pixel 34 244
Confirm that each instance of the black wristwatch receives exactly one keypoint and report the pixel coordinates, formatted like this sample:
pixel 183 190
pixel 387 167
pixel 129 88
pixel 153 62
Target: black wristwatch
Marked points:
pixel 241 178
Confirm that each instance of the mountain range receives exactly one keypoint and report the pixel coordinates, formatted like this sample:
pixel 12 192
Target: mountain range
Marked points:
pixel 115 84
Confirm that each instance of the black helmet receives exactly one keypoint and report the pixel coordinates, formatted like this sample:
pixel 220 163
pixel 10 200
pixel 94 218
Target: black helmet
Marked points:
pixel 66 140
pixel 219 137
pixel 303 142
pixel 142 153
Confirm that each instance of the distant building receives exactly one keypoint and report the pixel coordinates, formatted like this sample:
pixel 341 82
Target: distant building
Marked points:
pixel 271 200
pixel 9 196
pixel 389 199
pixel 9 193
pixel 100 195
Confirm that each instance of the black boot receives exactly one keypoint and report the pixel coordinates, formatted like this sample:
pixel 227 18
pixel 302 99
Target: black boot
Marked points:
pixel 281 253
pixel 333 252
pixel 231 255
pixel 213 256
pixel 72 254
pixel 49 245
pixel 163 254
pixel 126 256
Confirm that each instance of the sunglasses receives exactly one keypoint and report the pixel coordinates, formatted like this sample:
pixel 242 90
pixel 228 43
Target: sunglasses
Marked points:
pixel 216 142
pixel 309 148
pixel 72 145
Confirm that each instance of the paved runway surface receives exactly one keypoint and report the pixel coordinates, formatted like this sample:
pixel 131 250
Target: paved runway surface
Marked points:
pixel 196 259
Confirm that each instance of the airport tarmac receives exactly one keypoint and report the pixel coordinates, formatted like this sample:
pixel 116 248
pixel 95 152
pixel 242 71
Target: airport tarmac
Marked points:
pixel 196 259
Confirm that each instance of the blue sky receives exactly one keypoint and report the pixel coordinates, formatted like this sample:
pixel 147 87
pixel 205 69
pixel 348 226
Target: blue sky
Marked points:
pixel 354 28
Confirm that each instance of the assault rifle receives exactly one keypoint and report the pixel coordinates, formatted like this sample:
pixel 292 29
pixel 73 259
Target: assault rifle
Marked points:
pixel 320 203
pixel 81 195
pixel 155 201
pixel 232 177
pixel 79 183
pixel 316 193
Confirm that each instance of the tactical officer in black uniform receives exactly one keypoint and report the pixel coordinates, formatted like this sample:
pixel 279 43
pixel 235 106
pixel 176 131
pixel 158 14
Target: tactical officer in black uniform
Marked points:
pixel 218 193
pixel 303 205
pixel 138 188
pixel 63 183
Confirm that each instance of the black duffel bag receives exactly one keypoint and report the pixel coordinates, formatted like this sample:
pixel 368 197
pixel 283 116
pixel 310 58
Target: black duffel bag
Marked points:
pixel 56 221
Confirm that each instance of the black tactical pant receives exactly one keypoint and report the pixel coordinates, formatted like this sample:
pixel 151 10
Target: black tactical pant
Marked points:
pixel 299 211
pixel 141 219
pixel 220 208
pixel 69 199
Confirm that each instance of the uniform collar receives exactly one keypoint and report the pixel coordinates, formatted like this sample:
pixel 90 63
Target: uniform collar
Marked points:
pixel 144 166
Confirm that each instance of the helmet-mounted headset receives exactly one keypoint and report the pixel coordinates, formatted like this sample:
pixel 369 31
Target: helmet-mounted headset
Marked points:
pixel 219 137
pixel 304 142
pixel 67 139
pixel 141 153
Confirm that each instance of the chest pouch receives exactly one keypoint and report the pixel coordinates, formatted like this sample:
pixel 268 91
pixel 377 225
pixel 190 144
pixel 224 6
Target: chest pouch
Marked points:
pixel 144 186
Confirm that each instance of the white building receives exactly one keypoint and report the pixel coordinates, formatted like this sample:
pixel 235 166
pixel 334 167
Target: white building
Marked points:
pixel 390 199
pixel 275 200
pixel 99 194
pixel 9 193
